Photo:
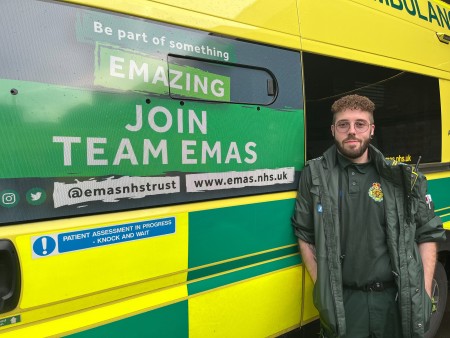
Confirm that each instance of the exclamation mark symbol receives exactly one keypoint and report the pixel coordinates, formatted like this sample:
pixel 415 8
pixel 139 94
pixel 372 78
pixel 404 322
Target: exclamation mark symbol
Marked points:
pixel 44 245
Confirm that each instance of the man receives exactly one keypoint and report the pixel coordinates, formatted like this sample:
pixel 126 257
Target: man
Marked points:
pixel 367 233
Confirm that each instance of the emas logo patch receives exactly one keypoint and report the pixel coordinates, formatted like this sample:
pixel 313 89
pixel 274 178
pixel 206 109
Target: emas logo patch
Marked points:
pixel 375 192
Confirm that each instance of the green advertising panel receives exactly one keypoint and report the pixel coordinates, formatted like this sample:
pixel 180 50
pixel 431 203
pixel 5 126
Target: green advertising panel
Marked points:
pixel 101 112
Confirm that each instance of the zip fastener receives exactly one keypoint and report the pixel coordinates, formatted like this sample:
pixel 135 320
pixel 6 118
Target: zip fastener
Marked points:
pixel 396 279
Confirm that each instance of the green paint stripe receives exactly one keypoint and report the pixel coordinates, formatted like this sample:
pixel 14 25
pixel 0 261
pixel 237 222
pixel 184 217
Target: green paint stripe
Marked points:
pixel 215 269
pixel 443 213
pixel 439 190
pixel 169 321
pixel 222 234
pixel 236 276
pixel 445 218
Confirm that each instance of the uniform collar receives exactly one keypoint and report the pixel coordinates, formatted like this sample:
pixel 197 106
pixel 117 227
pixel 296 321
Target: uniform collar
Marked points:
pixel 345 163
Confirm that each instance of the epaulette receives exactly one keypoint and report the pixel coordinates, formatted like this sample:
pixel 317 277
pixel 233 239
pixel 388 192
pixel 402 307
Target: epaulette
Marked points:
pixel 314 159
pixel 414 172
pixel 392 162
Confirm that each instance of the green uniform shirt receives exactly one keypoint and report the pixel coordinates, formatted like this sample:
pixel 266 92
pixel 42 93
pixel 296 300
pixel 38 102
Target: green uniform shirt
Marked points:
pixel 365 257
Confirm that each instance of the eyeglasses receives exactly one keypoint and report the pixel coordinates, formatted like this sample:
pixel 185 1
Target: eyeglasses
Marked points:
pixel 361 126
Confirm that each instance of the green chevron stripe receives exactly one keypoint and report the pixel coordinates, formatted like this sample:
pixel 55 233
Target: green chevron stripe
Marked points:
pixel 169 321
pixel 215 269
pixel 240 275
pixel 228 233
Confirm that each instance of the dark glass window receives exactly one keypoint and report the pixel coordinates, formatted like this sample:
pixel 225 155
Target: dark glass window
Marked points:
pixel 211 81
pixel 407 115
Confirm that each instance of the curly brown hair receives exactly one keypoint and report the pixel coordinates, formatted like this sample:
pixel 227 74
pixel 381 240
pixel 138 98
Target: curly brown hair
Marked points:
pixel 353 102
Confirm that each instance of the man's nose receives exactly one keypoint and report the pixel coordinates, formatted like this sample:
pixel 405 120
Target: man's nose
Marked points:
pixel 351 129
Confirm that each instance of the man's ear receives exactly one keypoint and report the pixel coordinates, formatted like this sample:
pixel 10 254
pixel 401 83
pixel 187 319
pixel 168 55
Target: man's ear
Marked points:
pixel 332 130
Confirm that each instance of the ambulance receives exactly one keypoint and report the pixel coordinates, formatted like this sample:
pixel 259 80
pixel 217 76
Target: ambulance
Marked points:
pixel 151 151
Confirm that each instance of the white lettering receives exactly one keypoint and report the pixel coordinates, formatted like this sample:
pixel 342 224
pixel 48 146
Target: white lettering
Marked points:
pixel 160 75
pixel 173 81
pixel 114 66
pixel 203 85
pixel 125 144
pixel 216 150
pixel 233 153
pixel 200 124
pixel 185 152
pixel 134 69
pixel 250 152
pixel 217 88
pixel 67 147
pixel 162 149
pixel 98 27
pixel 138 124
pixel 152 123
pixel 92 151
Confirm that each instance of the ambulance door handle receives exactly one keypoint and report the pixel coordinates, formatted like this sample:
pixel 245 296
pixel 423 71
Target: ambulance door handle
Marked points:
pixel 10 280
pixel 271 87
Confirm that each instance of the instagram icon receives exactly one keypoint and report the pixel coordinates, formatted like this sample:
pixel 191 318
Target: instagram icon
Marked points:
pixel 9 198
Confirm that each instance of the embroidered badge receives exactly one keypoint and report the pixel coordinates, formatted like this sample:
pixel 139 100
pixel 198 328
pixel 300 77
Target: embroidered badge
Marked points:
pixel 428 200
pixel 375 192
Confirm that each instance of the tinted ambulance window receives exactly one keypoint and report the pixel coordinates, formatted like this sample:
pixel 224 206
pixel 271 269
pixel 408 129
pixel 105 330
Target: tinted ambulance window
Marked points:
pixel 407 114
pixel 90 92
pixel 210 81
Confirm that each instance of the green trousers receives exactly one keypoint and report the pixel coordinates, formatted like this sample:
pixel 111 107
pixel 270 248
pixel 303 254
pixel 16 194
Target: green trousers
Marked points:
pixel 372 314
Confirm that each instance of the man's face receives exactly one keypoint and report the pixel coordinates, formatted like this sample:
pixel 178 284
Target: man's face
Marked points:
pixel 352 132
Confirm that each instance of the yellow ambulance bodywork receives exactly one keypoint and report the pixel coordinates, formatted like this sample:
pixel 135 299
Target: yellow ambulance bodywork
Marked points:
pixel 122 283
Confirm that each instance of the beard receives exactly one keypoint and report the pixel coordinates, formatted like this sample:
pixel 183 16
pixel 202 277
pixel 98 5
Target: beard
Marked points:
pixel 355 153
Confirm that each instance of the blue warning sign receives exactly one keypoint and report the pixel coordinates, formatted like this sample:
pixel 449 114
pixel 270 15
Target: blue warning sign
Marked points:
pixel 44 245
pixel 101 236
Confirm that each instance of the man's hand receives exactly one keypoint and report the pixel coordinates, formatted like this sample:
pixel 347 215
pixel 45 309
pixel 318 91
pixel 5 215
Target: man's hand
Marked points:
pixel 308 252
